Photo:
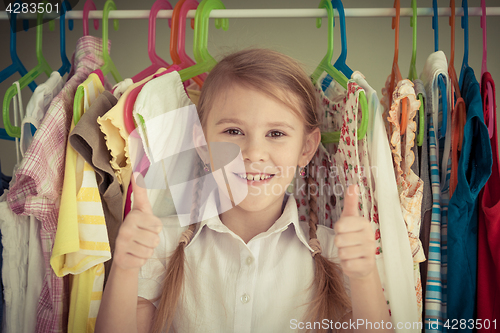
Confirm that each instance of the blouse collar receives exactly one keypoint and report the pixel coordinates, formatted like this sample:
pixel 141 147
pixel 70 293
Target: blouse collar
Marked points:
pixel 289 216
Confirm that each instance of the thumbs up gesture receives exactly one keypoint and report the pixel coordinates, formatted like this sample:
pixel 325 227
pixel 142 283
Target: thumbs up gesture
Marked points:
pixel 354 238
pixel 139 233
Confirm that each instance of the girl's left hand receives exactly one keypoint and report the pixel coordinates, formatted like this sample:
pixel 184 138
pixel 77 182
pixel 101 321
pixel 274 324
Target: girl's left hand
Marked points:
pixel 355 239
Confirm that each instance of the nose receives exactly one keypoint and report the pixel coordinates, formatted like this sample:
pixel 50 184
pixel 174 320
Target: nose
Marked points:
pixel 254 149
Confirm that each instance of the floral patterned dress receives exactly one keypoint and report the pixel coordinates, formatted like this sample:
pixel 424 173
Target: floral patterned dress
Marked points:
pixel 410 186
pixel 335 166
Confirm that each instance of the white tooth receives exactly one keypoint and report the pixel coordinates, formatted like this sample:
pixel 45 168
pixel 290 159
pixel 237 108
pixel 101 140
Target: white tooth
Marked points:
pixel 249 177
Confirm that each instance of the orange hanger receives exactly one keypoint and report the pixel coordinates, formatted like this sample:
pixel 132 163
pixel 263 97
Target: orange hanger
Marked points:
pixel 178 36
pixel 458 115
pixel 396 73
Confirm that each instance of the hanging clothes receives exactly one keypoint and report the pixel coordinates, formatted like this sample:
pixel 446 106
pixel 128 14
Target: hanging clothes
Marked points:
pixel 488 262
pixel 112 125
pixel 410 186
pixel 398 260
pixel 337 165
pixel 121 87
pixel 421 167
pixel 88 141
pixel 474 169
pixel 149 112
pixel 40 177
pixel 81 244
pixel 436 66
pixel 15 231
pixel 38 106
pixel 194 92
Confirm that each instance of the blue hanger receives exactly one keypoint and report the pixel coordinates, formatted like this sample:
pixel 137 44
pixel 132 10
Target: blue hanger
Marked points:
pixel 16 65
pixel 340 63
pixel 435 25
pixel 66 65
pixel 465 26
pixel 441 82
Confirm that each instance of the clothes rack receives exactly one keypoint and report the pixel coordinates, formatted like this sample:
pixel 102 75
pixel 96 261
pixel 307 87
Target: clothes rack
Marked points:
pixel 271 13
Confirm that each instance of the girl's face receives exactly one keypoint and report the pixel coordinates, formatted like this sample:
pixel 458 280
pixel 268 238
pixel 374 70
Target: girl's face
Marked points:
pixel 271 139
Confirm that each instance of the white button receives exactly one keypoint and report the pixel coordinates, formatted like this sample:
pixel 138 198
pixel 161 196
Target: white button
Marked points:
pixel 244 298
pixel 249 260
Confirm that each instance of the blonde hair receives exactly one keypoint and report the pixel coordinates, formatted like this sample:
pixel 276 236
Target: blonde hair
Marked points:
pixel 283 79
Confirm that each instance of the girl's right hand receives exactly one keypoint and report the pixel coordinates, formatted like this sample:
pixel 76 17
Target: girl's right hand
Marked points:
pixel 139 233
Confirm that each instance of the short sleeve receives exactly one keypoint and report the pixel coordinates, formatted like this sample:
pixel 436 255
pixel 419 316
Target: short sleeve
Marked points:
pixel 152 273
pixel 326 237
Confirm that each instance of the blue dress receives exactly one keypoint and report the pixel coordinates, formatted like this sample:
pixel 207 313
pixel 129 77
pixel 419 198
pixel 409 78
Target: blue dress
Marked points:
pixel 474 169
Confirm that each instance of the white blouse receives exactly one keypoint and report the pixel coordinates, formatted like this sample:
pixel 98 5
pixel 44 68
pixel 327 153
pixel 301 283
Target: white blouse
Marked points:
pixel 230 286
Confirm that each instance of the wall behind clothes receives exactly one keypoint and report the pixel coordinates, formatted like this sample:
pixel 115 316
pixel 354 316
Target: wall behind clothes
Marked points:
pixel 370 42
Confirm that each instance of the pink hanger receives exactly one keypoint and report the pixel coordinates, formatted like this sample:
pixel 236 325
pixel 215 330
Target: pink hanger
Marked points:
pixel 489 122
pixel 178 37
pixel 89 5
pixel 156 61
pixel 128 107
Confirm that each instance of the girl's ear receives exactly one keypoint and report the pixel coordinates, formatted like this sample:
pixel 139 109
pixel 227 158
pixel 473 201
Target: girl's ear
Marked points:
pixel 311 144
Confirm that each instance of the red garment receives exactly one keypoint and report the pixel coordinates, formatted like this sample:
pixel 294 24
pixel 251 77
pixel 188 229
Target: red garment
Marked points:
pixel 488 287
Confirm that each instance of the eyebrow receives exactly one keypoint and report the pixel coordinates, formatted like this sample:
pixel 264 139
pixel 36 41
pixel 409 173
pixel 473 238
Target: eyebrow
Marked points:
pixel 238 122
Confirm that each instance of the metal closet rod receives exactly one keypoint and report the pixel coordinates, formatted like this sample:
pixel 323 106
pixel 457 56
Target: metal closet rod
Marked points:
pixel 271 13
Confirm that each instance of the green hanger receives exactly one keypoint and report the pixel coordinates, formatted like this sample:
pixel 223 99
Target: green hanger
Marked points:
pixel 109 65
pixel 413 74
pixel 205 62
pixel 326 66
pixel 42 67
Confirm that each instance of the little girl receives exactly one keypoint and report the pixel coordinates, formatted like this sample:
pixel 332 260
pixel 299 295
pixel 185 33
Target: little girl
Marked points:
pixel 255 267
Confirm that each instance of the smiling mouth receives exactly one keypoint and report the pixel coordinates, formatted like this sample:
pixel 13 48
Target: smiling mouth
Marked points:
pixel 254 177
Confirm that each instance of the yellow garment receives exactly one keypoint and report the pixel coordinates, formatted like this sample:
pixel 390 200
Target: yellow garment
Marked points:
pixel 81 245
pixel 112 125
pixel 194 92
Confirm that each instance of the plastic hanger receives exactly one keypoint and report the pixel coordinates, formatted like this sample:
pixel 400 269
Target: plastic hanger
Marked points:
pixel 435 25
pixel 18 111
pixel 79 94
pixel 413 74
pixel 489 120
pixel 42 67
pixel 441 81
pixel 89 5
pixel 178 37
pixel 340 63
pixel 396 73
pixel 156 61
pixel 326 66
pixel 458 114
pixel 326 63
pixel 205 62
pixel 455 85
pixel 109 65
pixel 465 26
pixel 17 65
pixel 66 65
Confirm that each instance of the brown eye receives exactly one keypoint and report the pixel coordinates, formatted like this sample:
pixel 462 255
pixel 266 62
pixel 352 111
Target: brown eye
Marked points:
pixel 232 131
pixel 278 134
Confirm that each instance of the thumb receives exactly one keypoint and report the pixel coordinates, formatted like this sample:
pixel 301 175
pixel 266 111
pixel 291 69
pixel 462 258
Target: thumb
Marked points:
pixel 351 201
pixel 141 201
